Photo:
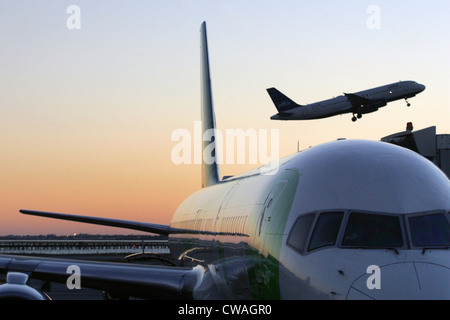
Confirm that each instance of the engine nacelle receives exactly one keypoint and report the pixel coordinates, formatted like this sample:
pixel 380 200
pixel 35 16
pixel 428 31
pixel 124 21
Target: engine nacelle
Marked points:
pixel 16 288
pixel 374 106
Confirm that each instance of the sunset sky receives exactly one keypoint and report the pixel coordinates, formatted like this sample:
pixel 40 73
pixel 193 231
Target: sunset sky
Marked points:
pixel 86 115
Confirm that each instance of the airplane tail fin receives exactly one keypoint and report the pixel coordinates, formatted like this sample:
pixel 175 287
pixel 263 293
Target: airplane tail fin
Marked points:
pixel 281 102
pixel 210 167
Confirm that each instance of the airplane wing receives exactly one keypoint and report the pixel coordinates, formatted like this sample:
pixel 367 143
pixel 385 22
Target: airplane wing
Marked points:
pixel 357 100
pixel 118 279
pixel 117 223
pixel 134 225
pixel 141 281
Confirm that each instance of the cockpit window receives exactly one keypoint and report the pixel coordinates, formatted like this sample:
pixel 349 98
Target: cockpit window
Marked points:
pixel 370 231
pixel 300 231
pixel 326 230
pixel 430 230
pixel 373 231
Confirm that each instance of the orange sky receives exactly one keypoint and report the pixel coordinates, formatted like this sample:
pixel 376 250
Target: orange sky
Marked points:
pixel 86 116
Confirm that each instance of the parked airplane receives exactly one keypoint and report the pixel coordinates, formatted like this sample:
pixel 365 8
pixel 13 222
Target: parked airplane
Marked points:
pixel 358 103
pixel 342 220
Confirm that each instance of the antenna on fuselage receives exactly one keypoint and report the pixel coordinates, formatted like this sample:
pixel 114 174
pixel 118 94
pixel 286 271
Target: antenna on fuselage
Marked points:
pixel 210 167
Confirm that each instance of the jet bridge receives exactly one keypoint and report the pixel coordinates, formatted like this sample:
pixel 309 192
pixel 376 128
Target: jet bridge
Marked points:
pixel 426 142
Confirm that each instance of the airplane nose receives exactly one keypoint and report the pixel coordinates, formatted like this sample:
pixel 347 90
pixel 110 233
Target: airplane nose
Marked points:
pixel 404 281
pixel 422 87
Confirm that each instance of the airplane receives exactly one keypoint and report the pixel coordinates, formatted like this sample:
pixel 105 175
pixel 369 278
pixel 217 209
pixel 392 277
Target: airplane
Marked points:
pixel 358 103
pixel 347 219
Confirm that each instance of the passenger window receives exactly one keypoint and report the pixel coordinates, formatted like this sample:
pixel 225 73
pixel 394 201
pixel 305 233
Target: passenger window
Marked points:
pixel 430 230
pixel 373 231
pixel 326 230
pixel 299 233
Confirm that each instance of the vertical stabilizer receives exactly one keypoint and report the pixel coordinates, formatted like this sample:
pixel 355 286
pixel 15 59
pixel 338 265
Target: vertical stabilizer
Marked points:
pixel 281 102
pixel 210 167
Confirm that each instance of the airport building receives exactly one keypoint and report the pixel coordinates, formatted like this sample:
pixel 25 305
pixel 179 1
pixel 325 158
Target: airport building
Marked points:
pixel 434 147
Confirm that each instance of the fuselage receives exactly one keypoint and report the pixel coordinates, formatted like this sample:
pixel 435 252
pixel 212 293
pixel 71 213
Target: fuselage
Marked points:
pixel 315 228
pixel 379 97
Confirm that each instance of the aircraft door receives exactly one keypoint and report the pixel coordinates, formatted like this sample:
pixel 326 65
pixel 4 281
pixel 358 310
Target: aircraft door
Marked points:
pixel 267 212
pixel 405 87
pixel 269 233
pixel 223 204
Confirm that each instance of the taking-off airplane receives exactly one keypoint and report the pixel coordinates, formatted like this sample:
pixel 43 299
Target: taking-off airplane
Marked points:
pixel 349 219
pixel 358 103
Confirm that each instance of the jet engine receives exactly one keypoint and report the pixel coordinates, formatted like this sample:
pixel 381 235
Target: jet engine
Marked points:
pixel 16 288
pixel 373 106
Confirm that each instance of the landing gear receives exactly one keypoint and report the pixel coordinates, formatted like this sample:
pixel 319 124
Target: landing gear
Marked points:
pixel 407 102
pixel 356 117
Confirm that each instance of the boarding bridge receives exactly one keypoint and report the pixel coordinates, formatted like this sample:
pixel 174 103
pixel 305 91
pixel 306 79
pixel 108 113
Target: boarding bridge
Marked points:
pixel 426 142
pixel 83 247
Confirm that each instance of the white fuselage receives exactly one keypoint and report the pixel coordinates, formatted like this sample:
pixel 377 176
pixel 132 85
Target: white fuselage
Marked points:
pixel 246 225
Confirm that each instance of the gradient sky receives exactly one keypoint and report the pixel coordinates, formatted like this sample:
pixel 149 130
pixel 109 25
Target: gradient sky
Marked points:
pixel 86 116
